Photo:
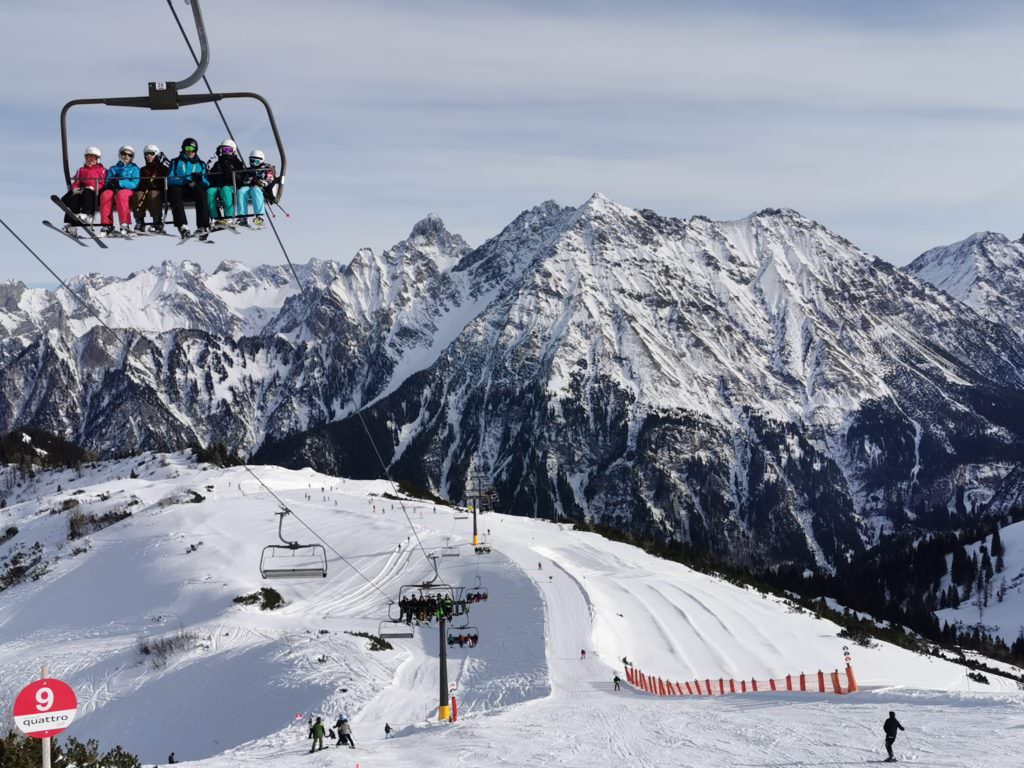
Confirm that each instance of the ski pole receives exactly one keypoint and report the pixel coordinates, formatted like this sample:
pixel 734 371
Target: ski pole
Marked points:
pixel 286 214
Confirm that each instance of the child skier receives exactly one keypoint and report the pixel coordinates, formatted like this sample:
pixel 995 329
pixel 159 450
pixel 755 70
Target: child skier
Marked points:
pixel 85 185
pixel 187 180
pixel 257 178
pixel 224 177
pixel 122 179
pixel 150 194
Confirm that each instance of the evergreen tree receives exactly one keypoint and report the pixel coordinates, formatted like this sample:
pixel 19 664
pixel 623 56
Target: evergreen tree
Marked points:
pixel 997 544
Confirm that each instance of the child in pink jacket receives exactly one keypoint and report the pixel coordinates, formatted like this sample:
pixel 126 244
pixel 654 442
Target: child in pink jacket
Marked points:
pixel 85 185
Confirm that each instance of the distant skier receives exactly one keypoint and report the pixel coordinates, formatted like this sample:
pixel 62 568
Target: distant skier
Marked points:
pixel 583 654
pixel 616 680
pixel 318 735
pixel 540 567
pixel 891 726
pixel 387 730
pixel 171 759
pixel 344 732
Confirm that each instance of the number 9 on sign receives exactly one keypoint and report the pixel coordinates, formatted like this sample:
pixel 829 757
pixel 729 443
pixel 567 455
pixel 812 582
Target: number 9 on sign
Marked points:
pixel 44 699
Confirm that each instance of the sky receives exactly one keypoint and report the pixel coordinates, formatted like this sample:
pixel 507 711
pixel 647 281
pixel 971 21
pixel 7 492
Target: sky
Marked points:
pixel 895 125
pixel 238 684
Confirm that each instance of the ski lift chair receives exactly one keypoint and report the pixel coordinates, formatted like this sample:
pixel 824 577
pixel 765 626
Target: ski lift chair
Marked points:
pixel 166 95
pixel 477 593
pixel 484 547
pixel 470 634
pixel 394 630
pixel 290 559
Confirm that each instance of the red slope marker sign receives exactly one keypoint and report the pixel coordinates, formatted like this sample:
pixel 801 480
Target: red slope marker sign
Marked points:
pixel 45 708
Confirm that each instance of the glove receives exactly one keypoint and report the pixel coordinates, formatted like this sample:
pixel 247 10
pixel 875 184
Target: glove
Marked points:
pixel 261 183
pixel 191 185
pixel 77 191
pixel 197 177
pixel 114 185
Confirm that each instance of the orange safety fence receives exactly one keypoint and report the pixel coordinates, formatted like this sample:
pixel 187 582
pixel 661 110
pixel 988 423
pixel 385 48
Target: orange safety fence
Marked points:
pixel 837 682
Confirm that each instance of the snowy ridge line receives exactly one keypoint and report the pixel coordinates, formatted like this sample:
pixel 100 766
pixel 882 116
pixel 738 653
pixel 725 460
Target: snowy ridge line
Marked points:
pixel 660 687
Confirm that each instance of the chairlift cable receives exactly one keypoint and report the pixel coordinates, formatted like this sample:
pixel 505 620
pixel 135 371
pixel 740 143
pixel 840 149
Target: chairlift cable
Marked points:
pixel 79 299
pixel 227 128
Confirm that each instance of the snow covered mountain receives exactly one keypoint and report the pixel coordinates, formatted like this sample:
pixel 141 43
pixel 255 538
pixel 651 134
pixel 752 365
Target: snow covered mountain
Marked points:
pixel 759 387
pixel 985 271
pixel 122 578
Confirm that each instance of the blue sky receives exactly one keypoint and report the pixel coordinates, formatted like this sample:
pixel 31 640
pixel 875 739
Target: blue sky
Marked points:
pixel 894 124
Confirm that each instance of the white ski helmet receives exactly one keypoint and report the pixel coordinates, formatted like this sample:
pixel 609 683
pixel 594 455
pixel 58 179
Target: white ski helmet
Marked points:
pixel 126 148
pixel 227 143
pixel 94 151
pixel 151 148
pixel 257 154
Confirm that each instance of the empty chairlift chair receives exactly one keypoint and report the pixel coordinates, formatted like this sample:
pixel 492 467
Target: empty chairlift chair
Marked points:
pixel 290 559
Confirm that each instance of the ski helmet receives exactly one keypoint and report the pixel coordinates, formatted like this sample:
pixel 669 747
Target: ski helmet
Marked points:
pixel 94 151
pixel 190 142
pixel 257 155
pixel 151 149
pixel 228 143
pixel 126 148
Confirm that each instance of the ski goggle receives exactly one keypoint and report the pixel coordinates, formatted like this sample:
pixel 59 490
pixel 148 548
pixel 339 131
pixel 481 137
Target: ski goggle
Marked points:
pixel 254 161
pixel 227 150
pixel 149 154
pixel 127 154
pixel 190 148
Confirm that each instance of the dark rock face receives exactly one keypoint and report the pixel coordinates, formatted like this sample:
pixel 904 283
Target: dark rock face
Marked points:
pixel 760 388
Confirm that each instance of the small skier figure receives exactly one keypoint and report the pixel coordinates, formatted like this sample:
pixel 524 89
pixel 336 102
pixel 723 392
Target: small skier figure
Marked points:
pixel 170 759
pixel 225 175
pixel 891 727
pixel 318 735
pixel 583 654
pixel 387 730
pixel 344 732
pixel 616 680
pixel 540 567
pixel 257 186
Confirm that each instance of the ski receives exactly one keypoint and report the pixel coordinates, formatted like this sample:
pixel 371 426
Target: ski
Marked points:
pixel 68 235
pixel 193 236
pixel 87 227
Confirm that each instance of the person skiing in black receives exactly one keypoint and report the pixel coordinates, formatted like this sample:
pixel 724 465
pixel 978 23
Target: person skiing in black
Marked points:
pixel 170 759
pixel 891 726
pixel 616 680
pixel 387 730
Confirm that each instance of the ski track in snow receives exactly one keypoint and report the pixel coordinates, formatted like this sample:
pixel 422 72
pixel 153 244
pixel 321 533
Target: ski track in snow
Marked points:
pixel 525 697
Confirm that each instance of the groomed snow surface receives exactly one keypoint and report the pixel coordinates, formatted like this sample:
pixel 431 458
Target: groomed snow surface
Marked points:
pixel 240 692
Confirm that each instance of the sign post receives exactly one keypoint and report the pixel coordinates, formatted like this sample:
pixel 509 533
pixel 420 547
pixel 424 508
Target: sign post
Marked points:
pixel 43 709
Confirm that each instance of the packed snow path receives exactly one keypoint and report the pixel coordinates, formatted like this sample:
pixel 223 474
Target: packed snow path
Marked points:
pixel 525 695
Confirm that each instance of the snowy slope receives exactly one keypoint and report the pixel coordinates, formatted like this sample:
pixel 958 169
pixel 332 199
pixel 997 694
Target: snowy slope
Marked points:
pixel 525 696
pixel 1005 617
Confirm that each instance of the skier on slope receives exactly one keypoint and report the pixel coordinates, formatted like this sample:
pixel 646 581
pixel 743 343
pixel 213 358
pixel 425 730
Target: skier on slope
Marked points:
pixel 344 732
pixel 617 680
pixel 891 727
pixel 318 735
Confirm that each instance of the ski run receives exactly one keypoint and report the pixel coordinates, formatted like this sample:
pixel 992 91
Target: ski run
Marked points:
pixel 237 685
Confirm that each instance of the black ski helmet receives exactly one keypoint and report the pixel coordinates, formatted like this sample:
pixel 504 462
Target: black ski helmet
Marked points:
pixel 190 142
